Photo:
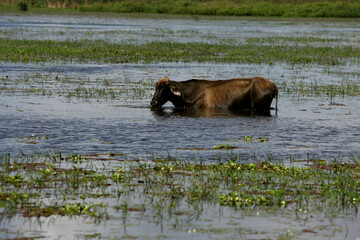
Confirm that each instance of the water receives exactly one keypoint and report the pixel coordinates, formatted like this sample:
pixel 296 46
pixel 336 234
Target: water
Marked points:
pixel 35 102
pixel 118 29
pixel 304 127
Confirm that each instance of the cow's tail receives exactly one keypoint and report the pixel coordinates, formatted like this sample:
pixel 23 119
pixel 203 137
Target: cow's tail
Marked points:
pixel 276 95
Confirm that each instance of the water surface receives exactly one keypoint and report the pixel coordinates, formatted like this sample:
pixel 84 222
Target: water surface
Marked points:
pixel 316 127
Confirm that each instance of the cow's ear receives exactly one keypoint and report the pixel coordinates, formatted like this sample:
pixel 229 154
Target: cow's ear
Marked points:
pixel 175 91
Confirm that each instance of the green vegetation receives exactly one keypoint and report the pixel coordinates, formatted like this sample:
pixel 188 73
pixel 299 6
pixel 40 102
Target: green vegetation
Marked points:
pixel 235 8
pixel 165 185
pixel 279 8
pixel 86 51
pixel 263 139
pixel 53 85
pixel 22 6
pixel 80 87
pixel 315 89
pixel 222 146
pixel 247 138
pixel 259 139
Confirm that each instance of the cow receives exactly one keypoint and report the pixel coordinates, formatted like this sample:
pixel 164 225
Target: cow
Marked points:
pixel 254 93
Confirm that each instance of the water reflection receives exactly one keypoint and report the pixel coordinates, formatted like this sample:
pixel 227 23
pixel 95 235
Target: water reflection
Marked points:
pixel 208 113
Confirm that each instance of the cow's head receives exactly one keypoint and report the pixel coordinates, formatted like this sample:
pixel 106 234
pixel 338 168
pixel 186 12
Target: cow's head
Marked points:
pixel 165 91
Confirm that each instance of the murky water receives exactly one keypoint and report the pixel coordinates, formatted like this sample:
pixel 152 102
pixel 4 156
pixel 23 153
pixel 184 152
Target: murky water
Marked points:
pixel 304 127
pixel 42 101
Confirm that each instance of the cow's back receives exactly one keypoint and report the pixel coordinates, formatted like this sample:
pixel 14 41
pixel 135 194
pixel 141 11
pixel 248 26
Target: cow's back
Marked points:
pixel 237 93
pixel 223 92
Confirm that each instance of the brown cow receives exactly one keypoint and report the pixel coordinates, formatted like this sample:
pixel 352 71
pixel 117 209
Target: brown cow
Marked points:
pixel 237 93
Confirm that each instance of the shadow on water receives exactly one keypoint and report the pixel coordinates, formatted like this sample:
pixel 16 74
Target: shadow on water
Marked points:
pixel 208 113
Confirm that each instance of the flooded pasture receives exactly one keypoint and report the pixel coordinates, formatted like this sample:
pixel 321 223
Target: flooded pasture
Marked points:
pixel 101 108
pixel 139 29
pixel 105 108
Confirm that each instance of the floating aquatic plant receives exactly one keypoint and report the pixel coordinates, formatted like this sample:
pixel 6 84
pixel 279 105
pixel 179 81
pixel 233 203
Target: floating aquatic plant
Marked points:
pixel 222 146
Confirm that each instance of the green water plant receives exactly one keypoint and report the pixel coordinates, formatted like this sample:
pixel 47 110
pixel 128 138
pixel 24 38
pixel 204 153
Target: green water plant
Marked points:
pixel 226 146
pixel 263 139
pixel 44 185
pixel 68 209
pixel 76 158
pixel 247 138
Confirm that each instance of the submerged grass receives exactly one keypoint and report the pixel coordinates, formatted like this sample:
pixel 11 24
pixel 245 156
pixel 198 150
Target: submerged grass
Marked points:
pixel 29 181
pixel 80 87
pixel 316 89
pixel 124 88
pixel 102 187
pixel 104 52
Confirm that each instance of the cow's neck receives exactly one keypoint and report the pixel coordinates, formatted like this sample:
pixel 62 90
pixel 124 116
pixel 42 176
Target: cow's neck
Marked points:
pixel 191 91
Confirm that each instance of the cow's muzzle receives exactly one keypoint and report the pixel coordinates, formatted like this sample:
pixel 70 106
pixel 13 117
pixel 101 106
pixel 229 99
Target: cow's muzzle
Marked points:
pixel 154 103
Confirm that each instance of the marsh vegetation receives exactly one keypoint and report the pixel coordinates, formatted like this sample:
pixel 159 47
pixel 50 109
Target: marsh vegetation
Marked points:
pixel 283 8
pixel 103 52
pixel 101 187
